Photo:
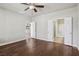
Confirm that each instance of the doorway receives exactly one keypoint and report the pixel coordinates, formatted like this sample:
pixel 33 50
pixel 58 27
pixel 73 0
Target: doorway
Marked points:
pixel 59 31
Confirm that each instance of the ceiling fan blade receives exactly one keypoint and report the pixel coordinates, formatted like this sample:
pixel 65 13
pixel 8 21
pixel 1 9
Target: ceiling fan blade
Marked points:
pixel 39 6
pixel 26 8
pixel 35 10
pixel 25 3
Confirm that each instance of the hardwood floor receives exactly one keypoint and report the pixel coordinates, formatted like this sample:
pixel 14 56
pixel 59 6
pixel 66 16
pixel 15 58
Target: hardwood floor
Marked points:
pixel 35 47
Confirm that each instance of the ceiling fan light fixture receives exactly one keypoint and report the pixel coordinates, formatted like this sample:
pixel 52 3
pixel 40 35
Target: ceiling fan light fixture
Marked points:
pixel 31 7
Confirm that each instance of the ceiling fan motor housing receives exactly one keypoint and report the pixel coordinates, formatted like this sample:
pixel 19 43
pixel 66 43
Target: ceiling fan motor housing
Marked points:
pixel 31 7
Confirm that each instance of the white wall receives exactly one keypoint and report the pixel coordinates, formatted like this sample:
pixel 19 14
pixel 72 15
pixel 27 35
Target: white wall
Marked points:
pixel 42 22
pixel 12 25
pixel 78 25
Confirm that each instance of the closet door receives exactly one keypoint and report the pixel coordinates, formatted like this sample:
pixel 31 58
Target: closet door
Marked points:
pixel 50 30
pixel 68 31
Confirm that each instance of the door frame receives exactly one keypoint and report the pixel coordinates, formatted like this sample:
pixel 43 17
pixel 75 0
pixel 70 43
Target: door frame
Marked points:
pixel 49 32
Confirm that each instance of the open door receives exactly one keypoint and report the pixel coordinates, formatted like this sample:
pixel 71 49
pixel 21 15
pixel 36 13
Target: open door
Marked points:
pixel 68 34
pixel 32 30
pixel 50 30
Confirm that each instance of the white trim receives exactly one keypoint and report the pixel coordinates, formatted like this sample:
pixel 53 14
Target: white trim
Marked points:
pixel 44 39
pixel 11 42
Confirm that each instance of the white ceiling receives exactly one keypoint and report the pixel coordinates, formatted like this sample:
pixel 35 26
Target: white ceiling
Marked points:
pixel 19 8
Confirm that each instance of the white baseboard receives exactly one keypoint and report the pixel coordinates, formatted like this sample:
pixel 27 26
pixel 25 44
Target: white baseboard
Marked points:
pixel 11 42
pixel 45 39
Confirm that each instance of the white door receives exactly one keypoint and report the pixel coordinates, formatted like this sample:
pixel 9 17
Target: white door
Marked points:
pixel 32 30
pixel 68 30
pixel 50 30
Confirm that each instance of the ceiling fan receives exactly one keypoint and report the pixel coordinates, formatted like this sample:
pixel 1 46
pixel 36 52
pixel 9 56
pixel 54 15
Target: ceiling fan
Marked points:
pixel 32 6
